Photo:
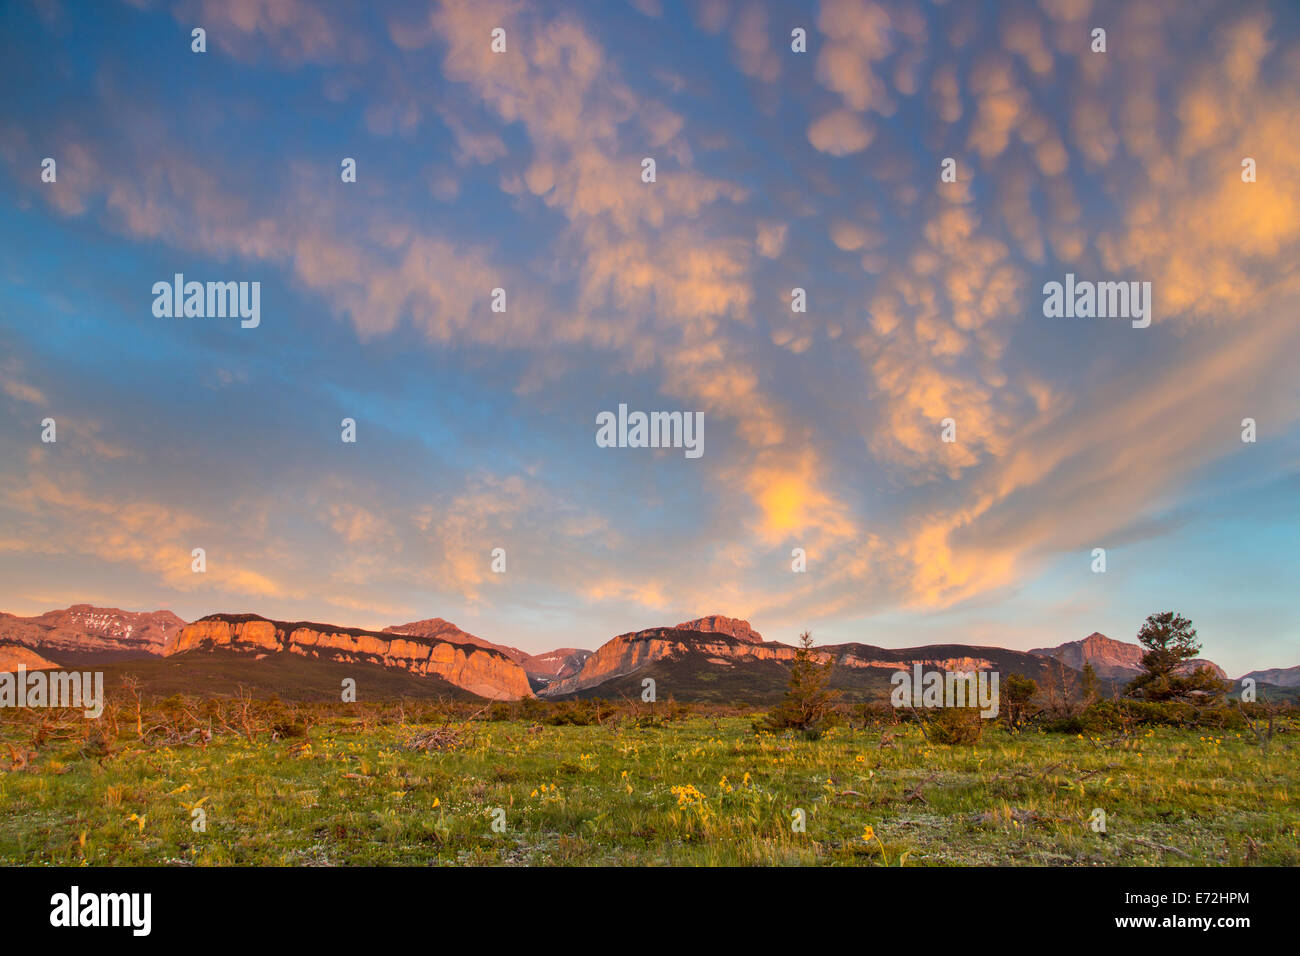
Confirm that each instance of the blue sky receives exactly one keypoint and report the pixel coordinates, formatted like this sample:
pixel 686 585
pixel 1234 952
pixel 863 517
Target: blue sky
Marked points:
pixel 775 170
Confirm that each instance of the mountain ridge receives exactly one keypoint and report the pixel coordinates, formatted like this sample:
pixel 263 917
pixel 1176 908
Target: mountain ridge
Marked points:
pixel 708 653
pixel 482 670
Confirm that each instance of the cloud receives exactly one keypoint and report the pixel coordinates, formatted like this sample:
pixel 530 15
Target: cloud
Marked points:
pixel 293 31
pixel 824 428
pixel 751 40
pixel 840 133
pixel 858 36
pixel 59 518
pixel 771 239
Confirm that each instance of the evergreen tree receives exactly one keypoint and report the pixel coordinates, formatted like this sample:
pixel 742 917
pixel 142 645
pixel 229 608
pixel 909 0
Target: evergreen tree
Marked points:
pixel 808 704
pixel 1170 640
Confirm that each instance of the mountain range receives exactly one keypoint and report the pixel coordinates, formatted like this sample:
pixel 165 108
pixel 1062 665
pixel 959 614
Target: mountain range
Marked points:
pixel 712 658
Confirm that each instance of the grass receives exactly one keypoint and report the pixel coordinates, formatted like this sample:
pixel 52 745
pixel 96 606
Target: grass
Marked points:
pixel 700 791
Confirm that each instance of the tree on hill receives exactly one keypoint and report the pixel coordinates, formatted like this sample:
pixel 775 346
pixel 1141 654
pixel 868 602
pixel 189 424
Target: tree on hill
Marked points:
pixel 1170 641
pixel 808 704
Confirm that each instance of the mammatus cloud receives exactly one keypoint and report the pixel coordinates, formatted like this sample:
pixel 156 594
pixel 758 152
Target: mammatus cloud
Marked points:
pixel 824 426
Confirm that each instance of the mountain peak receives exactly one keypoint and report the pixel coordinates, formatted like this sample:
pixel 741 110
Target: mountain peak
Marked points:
pixel 721 624
pixel 428 627
pixel 441 629
pixel 1110 658
pixel 85 629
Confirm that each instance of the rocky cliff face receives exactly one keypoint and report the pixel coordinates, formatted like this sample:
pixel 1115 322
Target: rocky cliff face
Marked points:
pixel 1111 659
pixel 718 624
pixel 14 656
pixel 629 652
pixel 85 630
pixel 564 661
pixel 737 644
pixel 438 629
pixel 480 670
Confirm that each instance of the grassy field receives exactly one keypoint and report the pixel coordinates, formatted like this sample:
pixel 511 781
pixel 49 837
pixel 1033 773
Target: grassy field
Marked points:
pixel 699 791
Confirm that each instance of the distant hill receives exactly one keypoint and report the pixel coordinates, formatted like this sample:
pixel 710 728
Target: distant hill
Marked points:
pixel 1111 659
pixel 1277 676
pixel 87 634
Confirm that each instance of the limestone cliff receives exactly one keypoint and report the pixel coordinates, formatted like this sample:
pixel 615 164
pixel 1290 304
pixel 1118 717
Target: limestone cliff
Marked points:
pixel 562 662
pixel 480 670
pixel 439 629
pixel 629 652
pixel 720 624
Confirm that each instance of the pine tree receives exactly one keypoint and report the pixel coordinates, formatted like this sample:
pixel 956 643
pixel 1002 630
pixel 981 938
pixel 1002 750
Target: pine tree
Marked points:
pixel 1090 686
pixel 1170 640
pixel 808 704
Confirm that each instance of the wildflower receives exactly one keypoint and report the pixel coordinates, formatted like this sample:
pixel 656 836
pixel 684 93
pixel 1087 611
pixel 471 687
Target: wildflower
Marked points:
pixel 687 796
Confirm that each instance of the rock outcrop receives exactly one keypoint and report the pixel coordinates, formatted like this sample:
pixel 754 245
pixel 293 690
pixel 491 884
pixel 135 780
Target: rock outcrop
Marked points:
pixel 630 652
pixel 14 655
pixel 83 630
pixel 1111 659
pixel 719 624
pixel 481 670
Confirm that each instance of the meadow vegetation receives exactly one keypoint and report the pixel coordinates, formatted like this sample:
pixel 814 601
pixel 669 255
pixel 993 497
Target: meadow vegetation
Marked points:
pixel 593 782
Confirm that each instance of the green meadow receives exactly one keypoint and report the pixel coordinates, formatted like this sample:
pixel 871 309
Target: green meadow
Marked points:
pixel 399 787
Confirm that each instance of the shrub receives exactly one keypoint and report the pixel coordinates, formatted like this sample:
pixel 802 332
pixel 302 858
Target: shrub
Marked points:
pixel 1113 716
pixel 957 726
pixel 1017 693
pixel 579 713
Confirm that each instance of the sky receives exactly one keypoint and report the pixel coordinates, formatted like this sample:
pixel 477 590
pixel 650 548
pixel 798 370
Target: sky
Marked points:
pixel 775 169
